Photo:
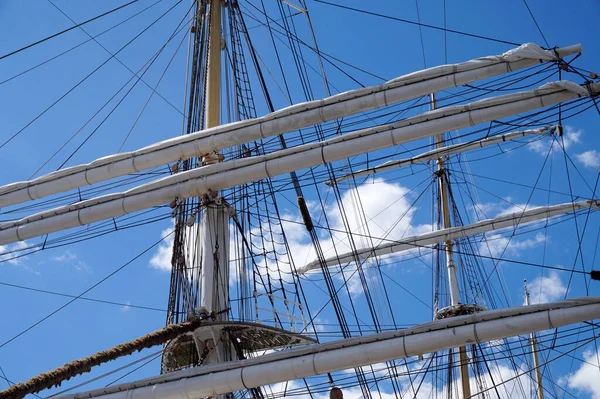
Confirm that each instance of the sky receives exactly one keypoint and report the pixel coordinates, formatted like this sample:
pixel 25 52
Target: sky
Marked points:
pixel 384 47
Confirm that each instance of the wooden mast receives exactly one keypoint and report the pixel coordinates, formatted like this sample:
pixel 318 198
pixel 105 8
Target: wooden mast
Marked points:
pixel 450 264
pixel 213 80
pixel 214 227
pixel 536 362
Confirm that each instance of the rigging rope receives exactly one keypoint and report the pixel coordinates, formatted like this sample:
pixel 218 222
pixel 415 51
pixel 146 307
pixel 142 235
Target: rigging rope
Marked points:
pixel 67 30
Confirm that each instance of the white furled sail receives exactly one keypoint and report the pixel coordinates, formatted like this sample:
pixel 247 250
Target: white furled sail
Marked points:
pixel 444 152
pixel 197 144
pixel 200 181
pixel 333 356
pixel 453 233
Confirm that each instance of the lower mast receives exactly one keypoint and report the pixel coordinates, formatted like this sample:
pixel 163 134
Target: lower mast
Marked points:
pixel 536 362
pixel 450 264
pixel 214 230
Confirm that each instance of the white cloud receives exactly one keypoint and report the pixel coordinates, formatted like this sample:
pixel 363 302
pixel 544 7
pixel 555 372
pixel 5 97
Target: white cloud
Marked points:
pixel 12 253
pixel 388 215
pixel 487 210
pixel 497 245
pixel 548 288
pixel 496 242
pixel 67 256
pixel 126 308
pixel 586 378
pixel 570 137
pixel 70 258
pixel 161 260
pixel 589 159
pixel 508 382
pixel 380 210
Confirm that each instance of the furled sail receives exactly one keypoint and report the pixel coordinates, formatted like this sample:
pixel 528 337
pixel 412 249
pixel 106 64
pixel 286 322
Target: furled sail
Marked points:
pixel 444 152
pixel 340 355
pixel 200 181
pixel 453 233
pixel 286 120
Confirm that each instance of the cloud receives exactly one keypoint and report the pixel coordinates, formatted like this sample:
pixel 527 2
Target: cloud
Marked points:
pixel 161 260
pixel 585 379
pixel 126 308
pixel 70 258
pixel 498 245
pixel 509 383
pixel 488 210
pixel 570 137
pixel 67 256
pixel 381 210
pixel 375 213
pixel 12 253
pixel 589 159
pixel 546 289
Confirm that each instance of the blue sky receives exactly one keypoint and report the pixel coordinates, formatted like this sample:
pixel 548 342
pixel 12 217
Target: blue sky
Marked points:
pixel 383 47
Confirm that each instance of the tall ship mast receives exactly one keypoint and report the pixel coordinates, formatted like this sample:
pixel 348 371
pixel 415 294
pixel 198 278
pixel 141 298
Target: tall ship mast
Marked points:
pixel 309 239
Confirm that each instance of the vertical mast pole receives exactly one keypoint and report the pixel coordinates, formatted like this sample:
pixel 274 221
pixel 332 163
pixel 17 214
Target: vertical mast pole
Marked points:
pixel 536 362
pixel 213 80
pixel 450 264
pixel 214 231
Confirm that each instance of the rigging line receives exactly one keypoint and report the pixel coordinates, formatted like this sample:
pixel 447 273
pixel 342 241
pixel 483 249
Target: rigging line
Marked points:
pixel 420 33
pixel 536 24
pixel 4 377
pixel 85 78
pixel 66 30
pixel 135 369
pixel 324 55
pixel 11 383
pixel 445 36
pixel 418 23
pixel 123 181
pixel 79 45
pixel 587 341
pixel 177 31
pixel 516 184
pixel 154 91
pixel 128 305
pixel 86 291
pixel 155 354
pixel 146 66
pixel 579 237
pixel 406 290
pixel 368 295
pixel 465 253
pixel 333 294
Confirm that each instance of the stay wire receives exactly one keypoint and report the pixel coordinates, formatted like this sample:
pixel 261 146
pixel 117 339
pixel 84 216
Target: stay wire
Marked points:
pixel 86 291
pixel 127 305
pixel 151 356
pixel 536 23
pixel 139 78
pixel 80 44
pixel 153 89
pixel 65 94
pixel 67 30
pixel 419 24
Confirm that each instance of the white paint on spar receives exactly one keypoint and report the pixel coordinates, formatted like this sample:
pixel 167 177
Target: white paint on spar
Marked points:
pixel 445 152
pixel 334 356
pixel 453 233
pixel 400 89
pixel 217 177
